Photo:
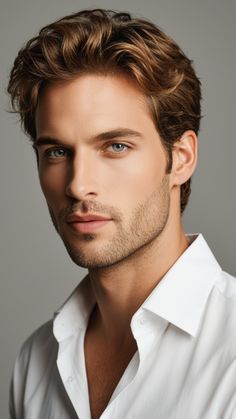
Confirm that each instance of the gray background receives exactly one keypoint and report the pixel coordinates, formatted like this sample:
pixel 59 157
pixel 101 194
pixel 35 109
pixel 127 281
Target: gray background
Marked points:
pixel 36 273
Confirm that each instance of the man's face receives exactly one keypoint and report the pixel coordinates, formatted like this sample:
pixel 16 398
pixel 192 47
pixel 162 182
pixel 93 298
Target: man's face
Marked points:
pixel 117 175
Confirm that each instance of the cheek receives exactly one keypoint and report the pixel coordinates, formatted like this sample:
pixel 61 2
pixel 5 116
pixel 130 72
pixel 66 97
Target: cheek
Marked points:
pixel 53 186
pixel 136 179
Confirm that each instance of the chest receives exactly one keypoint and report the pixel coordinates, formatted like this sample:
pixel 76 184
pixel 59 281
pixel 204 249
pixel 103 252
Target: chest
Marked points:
pixel 104 369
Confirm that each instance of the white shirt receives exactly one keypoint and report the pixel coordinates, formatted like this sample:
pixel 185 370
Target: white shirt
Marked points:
pixel 185 365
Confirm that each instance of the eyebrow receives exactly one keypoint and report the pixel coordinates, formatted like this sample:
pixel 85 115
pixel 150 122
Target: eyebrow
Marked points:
pixel 104 136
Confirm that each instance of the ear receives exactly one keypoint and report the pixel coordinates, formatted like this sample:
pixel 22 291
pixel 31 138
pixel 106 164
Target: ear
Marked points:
pixel 184 155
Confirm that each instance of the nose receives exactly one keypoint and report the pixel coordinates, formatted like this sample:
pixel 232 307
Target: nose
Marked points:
pixel 82 181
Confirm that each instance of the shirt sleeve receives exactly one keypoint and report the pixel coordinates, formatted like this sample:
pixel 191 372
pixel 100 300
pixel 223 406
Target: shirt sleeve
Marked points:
pixel 18 380
pixel 29 364
pixel 12 409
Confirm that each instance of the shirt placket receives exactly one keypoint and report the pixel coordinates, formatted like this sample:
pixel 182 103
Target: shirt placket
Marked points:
pixel 72 371
pixel 146 335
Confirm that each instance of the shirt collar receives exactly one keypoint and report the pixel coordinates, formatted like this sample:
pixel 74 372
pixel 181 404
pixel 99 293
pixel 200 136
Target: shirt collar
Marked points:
pixel 73 314
pixel 180 297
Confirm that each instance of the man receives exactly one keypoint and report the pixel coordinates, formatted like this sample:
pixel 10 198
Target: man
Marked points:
pixel 150 331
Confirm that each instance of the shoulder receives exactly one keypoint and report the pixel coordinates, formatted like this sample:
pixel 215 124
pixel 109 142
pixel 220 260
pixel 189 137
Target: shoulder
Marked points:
pixel 36 352
pixel 41 341
pixel 222 310
pixel 226 286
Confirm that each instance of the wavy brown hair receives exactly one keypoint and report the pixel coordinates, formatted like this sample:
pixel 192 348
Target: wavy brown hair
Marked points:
pixel 105 41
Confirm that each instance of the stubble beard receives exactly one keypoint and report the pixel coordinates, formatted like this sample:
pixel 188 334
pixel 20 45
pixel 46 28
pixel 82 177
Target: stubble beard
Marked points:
pixel 146 226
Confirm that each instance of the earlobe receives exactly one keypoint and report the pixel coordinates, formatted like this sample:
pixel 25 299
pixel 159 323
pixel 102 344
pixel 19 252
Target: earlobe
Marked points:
pixel 184 155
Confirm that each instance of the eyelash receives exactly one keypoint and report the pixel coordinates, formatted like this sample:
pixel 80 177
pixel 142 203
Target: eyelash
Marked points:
pixel 48 153
pixel 124 145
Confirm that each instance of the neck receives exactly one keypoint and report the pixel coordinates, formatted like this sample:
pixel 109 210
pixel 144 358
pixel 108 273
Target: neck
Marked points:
pixel 122 288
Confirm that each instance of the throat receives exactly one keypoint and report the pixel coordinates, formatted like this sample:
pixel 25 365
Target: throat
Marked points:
pixel 105 364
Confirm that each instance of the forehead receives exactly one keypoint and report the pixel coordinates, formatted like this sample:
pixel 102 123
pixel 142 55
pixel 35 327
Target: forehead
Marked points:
pixel 93 99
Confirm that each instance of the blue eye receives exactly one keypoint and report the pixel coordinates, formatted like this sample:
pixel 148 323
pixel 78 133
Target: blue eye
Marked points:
pixel 56 153
pixel 119 147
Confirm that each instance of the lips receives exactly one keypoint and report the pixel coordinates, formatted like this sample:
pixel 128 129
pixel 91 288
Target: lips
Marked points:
pixel 73 218
pixel 87 223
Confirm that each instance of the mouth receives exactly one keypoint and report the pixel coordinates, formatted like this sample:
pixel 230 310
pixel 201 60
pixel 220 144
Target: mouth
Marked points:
pixel 86 223
pixel 87 226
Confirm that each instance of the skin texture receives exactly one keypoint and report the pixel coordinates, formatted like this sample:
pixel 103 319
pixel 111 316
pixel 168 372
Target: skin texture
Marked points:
pixel 128 256
pixel 124 179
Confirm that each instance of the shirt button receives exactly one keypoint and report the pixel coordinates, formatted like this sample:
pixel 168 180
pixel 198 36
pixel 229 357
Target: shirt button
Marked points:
pixel 70 379
pixel 141 322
